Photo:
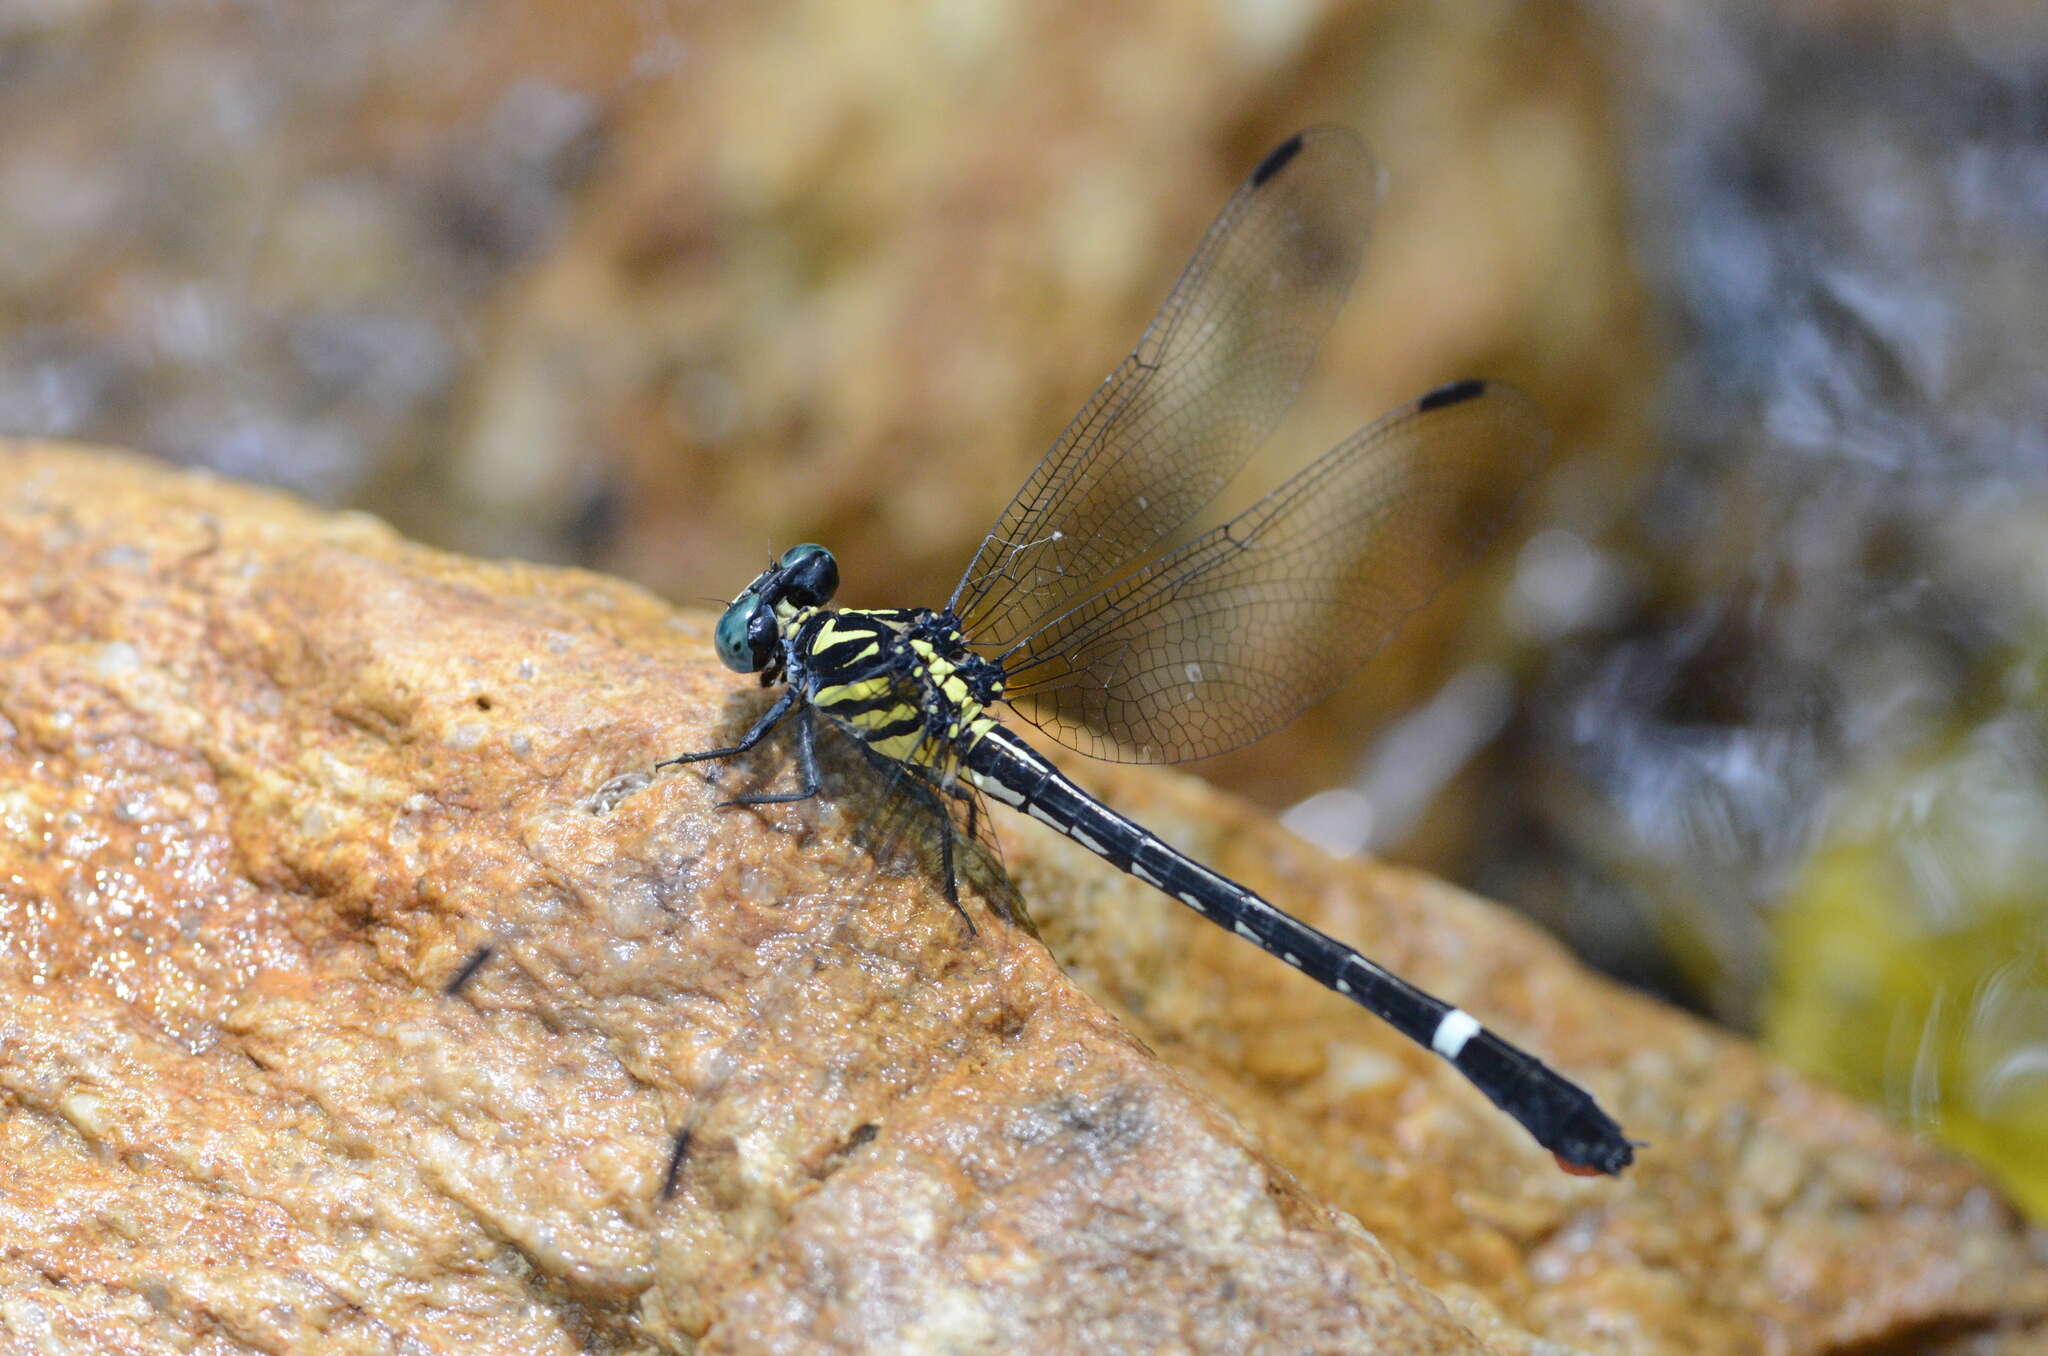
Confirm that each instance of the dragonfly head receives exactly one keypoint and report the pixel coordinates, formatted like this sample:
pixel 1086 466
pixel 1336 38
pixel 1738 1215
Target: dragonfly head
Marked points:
pixel 749 635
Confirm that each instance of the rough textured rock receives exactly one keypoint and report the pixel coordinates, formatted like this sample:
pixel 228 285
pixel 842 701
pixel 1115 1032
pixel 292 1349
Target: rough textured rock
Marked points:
pixel 270 778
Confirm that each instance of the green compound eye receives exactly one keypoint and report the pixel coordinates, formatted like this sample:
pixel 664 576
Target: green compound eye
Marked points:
pixel 747 635
pixel 809 575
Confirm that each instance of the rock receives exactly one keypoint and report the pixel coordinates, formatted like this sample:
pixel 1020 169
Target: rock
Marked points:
pixel 272 779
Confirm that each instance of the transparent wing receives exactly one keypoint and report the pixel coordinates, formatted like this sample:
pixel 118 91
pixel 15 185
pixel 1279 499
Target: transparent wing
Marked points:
pixel 1216 369
pixel 1227 638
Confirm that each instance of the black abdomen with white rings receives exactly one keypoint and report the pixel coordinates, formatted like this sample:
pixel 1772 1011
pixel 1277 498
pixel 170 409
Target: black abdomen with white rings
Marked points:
pixel 1561 1116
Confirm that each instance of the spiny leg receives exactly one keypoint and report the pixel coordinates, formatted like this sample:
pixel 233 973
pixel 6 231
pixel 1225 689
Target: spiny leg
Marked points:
pixel 966 797
pixel 1000 891
pixel 807 762
pixel 752 737
pixel 947 835
pixel 910 780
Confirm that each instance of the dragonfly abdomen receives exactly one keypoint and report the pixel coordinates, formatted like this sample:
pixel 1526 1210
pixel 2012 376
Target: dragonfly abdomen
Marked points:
pixel 1562 1117
pixel 1006 768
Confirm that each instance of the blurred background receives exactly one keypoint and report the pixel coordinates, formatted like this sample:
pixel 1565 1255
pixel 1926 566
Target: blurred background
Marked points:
pixel 1749 704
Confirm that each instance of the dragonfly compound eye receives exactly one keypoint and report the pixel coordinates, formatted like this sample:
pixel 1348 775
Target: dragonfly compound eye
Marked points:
pixel 810 576
pixel 747 635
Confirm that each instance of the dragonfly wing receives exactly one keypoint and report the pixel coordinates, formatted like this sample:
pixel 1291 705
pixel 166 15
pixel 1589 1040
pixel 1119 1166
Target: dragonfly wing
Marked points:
pixel 1215 371
pixel 1229 637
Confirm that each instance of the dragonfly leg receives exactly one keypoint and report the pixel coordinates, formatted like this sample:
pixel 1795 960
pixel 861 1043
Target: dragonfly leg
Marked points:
pixel 949 874
pixel 752 737
pixel 947 834
pixel 807 762
pixel 967 798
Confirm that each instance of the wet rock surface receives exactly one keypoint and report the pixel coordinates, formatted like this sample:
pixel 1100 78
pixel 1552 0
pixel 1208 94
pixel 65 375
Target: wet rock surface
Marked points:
pixel 271 779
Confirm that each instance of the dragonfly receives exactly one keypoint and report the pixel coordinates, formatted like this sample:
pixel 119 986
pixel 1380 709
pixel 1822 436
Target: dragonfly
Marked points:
pixel 1090 611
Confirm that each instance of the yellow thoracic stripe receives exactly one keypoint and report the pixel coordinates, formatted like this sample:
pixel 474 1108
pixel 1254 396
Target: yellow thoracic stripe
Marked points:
pixel 901 714
pixel 915 748
pixel 851 694
pixel 832 637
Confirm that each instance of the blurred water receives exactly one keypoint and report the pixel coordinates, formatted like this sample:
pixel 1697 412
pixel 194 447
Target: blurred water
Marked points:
pixel 1811 758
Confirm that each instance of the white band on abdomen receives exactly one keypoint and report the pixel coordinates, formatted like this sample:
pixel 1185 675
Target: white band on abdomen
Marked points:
pixel 1457 1027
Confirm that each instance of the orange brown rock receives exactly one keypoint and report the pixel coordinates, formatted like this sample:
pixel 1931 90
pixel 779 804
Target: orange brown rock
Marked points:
pixel 269 778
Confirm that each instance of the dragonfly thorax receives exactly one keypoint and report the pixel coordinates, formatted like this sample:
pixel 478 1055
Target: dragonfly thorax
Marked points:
pixel 901 680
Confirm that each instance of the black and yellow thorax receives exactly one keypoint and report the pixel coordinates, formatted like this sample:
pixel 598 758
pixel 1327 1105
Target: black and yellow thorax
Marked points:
pixel 901 680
